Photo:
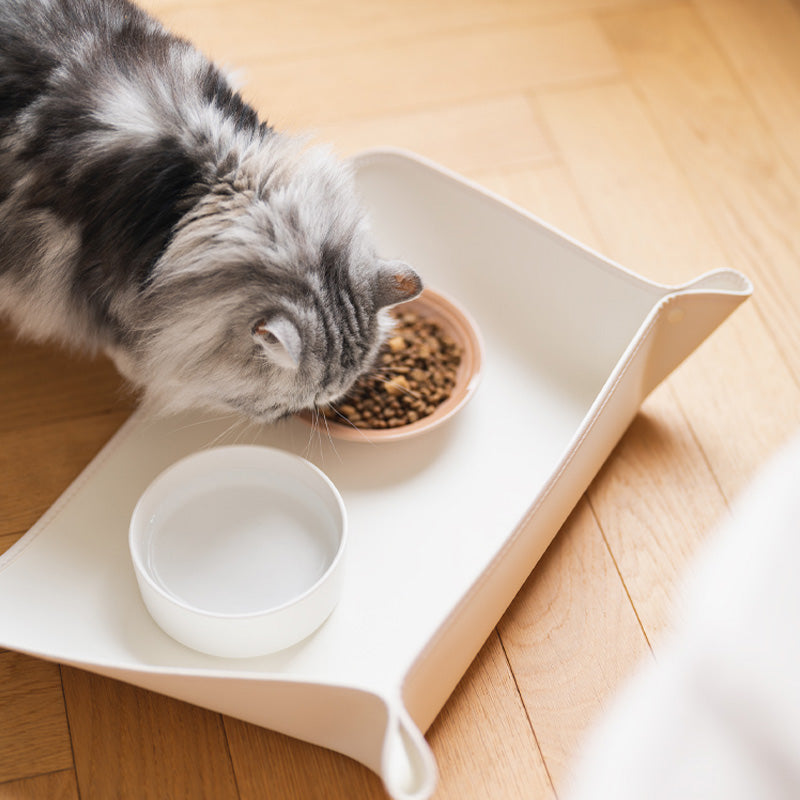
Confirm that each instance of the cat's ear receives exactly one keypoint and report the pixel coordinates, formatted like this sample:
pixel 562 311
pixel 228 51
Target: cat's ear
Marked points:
pixel 280 340
pixel 396 282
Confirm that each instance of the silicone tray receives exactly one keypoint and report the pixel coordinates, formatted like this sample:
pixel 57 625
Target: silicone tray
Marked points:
pixel 444 527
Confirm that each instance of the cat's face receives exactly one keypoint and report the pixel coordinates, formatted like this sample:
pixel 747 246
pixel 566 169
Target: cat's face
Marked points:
pixel 270 299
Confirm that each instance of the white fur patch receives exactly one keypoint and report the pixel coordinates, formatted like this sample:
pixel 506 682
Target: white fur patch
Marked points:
pixel 128 110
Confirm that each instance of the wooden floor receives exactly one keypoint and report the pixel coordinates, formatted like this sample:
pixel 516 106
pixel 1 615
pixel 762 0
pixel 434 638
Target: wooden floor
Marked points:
pixel 665 134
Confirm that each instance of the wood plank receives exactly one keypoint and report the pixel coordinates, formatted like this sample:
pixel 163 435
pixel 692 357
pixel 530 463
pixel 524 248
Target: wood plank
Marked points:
pixel 251 28
pixel 571 636
pixel 723 388
pixel 546 191
pixel 484 717
pixel 131 743
pixel 53 786
pixel 268 764
pixel 657 502
pixel 661 496
pixel 759 41
pixel 34 737
pixel 733 165
pixel 628 185
pixel 482 738
pixel 43 382
pixel 404 76
pixel 39 462
pixel 650 220
pixel 7 540
pixel 467 137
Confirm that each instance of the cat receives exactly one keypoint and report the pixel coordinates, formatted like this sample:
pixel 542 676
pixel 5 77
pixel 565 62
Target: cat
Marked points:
pixel 147 212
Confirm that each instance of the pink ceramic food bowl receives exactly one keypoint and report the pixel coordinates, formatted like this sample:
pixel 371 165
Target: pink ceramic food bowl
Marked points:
pixel 456 323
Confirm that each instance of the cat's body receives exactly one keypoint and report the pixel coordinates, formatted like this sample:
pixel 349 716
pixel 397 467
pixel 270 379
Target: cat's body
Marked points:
pixel 147 212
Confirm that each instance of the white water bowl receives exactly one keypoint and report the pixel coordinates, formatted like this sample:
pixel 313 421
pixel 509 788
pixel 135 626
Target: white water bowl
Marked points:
pixel 238 550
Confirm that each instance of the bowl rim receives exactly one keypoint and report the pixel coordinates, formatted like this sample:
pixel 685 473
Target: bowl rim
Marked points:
pixel 464 321
pixel 219 458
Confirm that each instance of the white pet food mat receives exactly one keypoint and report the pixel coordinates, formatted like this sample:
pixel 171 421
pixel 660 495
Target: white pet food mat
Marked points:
pixel 444 528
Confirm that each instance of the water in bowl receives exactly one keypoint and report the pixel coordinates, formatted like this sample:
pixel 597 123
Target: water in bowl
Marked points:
pixel 240 548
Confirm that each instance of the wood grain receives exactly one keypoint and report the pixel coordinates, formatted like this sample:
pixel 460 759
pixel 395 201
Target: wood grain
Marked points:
pixel 545 190
pixel 467 756
pixel 727 153
pixel 497 755
pixel 268 764
pixel 43 460
pixel 41 382
pixel 657 481
pixel 409 75
pixel 759 41
pixel 250 29
pixel 33 725
pixel 631 190
pixel 466 137
pixel 679 466
pixel 130 743
pixel 649 220
pixel 52 786
pixel 555 634
pixel 7 540
pixel 664 133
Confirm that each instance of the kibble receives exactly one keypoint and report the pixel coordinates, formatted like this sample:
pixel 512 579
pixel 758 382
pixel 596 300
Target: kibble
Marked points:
pixel 416 373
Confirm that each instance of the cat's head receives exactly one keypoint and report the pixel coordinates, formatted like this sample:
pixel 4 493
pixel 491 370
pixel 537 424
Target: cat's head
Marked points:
pixel 270 297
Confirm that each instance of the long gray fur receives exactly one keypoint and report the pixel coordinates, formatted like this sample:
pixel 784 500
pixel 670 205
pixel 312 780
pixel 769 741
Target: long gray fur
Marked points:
pixel 146 211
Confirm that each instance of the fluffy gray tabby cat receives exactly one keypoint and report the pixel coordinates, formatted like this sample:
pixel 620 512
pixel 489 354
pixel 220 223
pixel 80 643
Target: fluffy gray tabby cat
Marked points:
pixel 147 212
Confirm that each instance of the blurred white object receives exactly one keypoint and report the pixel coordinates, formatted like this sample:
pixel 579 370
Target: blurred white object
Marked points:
pixel 717 714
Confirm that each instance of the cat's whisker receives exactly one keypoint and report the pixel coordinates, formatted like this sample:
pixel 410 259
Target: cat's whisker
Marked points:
pixel 248 433
pixel 321 444
pixel 330 439
pixel 351 424
pixel 224 433
pixel 342 417
pixel 315 435
pixel 237 437
pixel 313 422
pixel 204 421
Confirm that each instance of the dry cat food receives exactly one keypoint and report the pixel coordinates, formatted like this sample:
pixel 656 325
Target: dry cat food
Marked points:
pixel 416 372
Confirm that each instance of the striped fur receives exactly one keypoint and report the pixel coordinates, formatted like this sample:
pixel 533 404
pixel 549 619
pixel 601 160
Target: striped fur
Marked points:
pixel 146 211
